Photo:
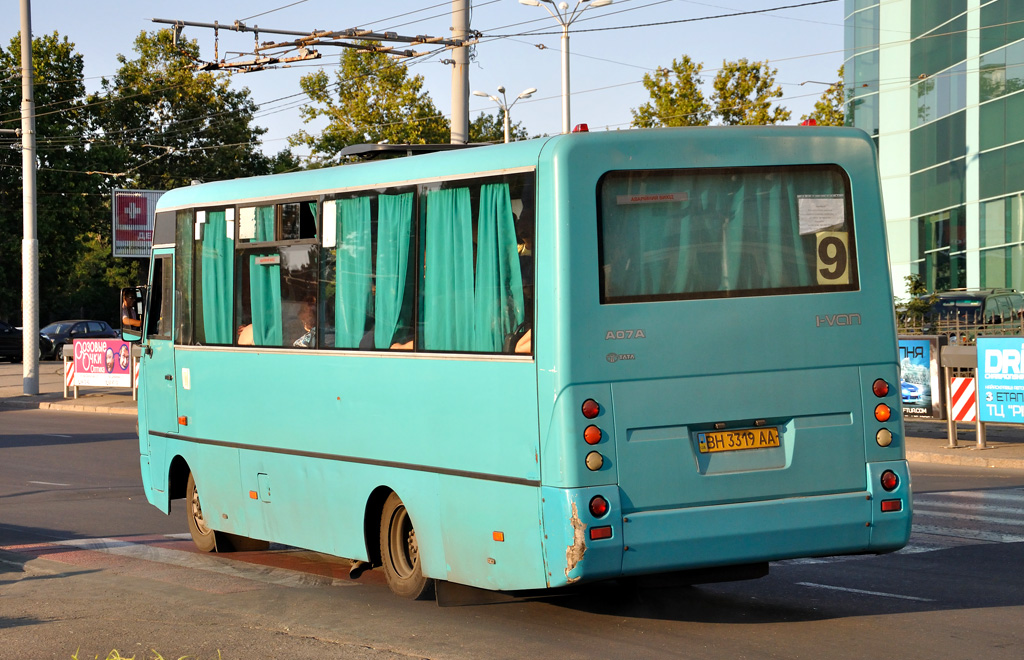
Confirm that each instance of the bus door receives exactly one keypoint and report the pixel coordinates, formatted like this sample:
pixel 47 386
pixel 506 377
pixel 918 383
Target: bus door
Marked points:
pixel 158 353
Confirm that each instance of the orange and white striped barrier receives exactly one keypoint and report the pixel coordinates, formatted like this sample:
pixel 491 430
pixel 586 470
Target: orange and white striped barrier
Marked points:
pixel 963 399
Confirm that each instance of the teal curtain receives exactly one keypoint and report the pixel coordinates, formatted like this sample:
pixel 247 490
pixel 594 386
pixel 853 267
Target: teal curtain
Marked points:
pixel 448 271
pixel 724 232
pixel 217 261
pixel 353 270
pixel 394 223
pixel 498 307
pixel 265 288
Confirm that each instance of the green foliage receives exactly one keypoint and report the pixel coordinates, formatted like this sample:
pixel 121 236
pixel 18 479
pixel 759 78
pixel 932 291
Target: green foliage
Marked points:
pixel 164 125
pixel 830 110
pixel 69 202
pixel 743 93
pixel 372 99
pixel 491 128
pixel 675 100
pixel 919 302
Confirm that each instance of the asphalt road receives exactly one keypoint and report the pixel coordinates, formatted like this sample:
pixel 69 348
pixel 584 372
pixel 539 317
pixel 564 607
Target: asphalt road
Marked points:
pixel 88 566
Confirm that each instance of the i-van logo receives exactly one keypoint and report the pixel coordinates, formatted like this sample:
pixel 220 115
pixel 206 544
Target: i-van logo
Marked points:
pixel 832 320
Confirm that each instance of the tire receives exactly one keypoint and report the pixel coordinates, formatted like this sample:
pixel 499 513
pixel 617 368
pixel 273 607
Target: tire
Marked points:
pixel 204 537
pixel 399 553
pixel 59 353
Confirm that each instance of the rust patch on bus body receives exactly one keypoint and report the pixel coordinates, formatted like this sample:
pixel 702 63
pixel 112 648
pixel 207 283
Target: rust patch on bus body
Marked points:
pixel 574 553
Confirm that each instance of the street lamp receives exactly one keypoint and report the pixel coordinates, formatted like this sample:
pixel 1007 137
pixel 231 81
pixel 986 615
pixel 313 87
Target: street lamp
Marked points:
pixel 504 104
pixel 565 18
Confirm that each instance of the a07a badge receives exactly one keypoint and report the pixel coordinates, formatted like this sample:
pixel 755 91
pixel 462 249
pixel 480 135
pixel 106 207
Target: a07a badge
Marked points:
pixel 625 334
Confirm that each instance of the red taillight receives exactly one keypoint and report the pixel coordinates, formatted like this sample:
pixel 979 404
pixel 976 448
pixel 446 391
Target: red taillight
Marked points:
pixel 880 388
pixel 591 409
pixel 581 128
pixel 888 506
pixel 882 412
pixel 889 480
pixel 592 435
pixel 809 122
pixel 597 533
pixel 598 506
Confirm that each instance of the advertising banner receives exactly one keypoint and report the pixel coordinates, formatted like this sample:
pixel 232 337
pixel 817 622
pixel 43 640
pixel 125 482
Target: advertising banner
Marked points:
pixel 133 221
pixel 102 363
pixel 920 377
pixel 1001 379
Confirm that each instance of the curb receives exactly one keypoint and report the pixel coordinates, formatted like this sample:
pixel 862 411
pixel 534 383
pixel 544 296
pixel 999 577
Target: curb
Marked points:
pixel 70 407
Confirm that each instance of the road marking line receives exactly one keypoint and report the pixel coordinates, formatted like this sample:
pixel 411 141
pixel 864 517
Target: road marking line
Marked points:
pixel 56 435
pixel 271 575
pixel 925 511
pixel 864 593
pixel 47 483
pixel 959 532
pixel 970 506
pixel 1012 496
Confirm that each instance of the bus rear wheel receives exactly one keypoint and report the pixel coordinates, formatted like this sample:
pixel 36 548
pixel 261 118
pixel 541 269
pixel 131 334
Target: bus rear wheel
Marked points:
pixel 400 553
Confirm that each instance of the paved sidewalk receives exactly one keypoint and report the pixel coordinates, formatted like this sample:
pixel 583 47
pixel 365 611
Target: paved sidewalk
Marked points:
pixel 926 441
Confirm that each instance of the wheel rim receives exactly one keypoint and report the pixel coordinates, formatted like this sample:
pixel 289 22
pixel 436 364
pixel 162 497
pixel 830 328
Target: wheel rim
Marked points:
pixel 197 513
pixel 402 540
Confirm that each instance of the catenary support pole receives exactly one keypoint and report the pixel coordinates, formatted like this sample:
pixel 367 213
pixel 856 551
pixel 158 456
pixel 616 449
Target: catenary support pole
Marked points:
pixel 460 73
pixel 29 242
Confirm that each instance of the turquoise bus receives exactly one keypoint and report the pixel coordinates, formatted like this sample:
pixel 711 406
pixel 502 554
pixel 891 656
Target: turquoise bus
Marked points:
pixel 526 366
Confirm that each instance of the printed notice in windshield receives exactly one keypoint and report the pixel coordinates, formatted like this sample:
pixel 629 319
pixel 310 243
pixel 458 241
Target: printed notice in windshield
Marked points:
pixel 652 198
pixel 820 212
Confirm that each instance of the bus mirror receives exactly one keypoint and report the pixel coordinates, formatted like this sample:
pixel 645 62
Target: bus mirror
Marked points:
pixel 132 312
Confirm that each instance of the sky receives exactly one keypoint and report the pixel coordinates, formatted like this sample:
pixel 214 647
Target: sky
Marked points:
pixel 519 49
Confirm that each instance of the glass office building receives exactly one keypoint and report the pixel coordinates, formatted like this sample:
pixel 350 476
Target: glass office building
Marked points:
pixel 939 84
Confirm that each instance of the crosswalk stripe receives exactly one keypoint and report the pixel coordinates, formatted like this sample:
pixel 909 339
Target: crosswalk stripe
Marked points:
pixel 925 511
pixel 960 532
pixel 1009 496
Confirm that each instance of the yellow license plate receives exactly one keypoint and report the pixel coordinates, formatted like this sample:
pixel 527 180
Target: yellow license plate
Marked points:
pixel 758 438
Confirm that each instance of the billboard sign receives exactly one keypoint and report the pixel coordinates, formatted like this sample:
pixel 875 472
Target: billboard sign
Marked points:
pixel 133 221
pixel 1001 379
pixel 920 377
pixel 102 363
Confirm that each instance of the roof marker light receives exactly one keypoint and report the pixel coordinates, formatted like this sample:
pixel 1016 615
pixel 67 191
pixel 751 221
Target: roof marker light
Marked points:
pixel 581 128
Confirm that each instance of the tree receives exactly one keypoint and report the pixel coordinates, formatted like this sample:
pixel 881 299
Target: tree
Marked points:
pixel 830 110
pixel 372 99
pixel 675 101
pixel 162 124
pixel 743 94
pixel 70 202
pixel 491 128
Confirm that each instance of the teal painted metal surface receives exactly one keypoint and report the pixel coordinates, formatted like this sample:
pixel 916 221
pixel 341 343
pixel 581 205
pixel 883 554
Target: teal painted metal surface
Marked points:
pixel 476 446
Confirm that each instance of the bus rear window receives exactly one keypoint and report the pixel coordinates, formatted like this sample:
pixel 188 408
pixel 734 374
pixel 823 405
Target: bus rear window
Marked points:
pixel 719 233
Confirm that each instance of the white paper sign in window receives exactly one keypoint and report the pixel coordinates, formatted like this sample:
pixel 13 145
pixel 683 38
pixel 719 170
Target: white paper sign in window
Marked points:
pixel 820 212
pixel 330 226
pixel 247 223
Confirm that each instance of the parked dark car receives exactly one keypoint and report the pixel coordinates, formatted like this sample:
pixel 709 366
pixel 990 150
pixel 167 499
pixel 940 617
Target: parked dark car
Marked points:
pixel 965 313
pixel 10 343
pixel 59 334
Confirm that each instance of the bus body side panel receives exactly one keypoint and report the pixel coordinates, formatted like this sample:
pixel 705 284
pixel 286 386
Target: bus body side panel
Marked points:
pixel 318 432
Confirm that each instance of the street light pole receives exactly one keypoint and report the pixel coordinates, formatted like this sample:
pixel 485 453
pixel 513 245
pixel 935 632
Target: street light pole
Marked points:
pixel 565 18
pixel 504 104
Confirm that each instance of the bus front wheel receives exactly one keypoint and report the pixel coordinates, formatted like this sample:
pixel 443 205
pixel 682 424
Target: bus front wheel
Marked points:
pixel 204 537
pixel 400 553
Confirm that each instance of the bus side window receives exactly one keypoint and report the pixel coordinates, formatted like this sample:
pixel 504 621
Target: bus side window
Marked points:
pixel 162 293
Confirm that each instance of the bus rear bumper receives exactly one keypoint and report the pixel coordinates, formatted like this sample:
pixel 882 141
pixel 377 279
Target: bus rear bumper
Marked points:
pixel 678 539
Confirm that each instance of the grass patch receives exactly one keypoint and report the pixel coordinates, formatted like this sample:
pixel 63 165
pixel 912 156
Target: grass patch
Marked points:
pixel 116 655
